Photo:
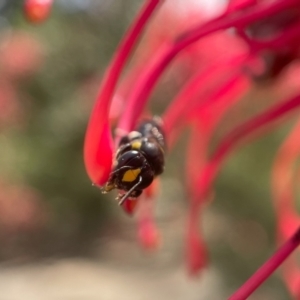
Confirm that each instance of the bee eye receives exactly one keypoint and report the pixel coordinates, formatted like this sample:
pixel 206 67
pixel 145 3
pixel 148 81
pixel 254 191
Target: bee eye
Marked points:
pixel 150 149
pixel 133 159
pixel 155 154
pixel 123 149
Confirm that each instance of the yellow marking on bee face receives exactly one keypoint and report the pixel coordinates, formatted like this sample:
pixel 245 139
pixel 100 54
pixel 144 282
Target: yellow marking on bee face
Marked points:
pixel 131 175
pixel 136 145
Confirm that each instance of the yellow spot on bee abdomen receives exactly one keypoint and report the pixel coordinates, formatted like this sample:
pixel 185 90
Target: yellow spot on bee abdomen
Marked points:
pixel 131 175
pixel 136 145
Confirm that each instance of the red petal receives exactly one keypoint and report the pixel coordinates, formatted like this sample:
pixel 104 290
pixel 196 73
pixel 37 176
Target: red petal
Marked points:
pixel 266 270
pixel 98 151
pixel 196 249
pixel 233 139
pixel 151 191
pixel 284 201
pixel 148 234
pixel 206 117
pixel 224 85
pixel 129 206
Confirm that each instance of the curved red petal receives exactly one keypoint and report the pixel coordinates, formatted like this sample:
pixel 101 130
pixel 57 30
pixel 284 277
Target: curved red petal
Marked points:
pixel 98 151
pixel 284 202
pixel 148 234
pixel 151 191
pixel 147 80
pixel 267 269
pixel 239 133
pixel 129 206
pixel 196 249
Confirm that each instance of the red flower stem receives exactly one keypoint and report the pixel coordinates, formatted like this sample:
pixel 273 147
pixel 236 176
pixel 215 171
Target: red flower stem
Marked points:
pixel 174 116
pixel 265 271
pixel 283 181
pixel 205 122
pixel 197 154
pixel 217 96
pixel 146 82
pixel 239 133
pixel 235 19
pixel 122 53
pixel 283 172
pixel 210 170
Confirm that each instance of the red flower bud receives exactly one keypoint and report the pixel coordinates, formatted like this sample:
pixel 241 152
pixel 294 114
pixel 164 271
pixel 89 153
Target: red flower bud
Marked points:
pixel 37 11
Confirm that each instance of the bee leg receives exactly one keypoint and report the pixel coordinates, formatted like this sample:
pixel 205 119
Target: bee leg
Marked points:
pixel 108 187
pixel 126 195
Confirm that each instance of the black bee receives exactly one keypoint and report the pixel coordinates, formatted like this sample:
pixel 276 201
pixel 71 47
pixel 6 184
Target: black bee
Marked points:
pixel 139 158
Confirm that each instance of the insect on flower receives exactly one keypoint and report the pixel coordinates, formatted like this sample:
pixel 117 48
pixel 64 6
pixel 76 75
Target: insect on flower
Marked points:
pixel 265 31
pixel 138 160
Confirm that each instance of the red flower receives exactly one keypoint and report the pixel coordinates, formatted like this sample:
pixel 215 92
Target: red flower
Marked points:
pixel 283 185
pixel 21 55
pixel 37 11
pixel 266 42
pixel 21 209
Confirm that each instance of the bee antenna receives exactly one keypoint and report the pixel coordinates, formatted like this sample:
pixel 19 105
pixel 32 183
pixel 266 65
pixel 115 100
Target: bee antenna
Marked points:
pixel 118 170
pixel 125 196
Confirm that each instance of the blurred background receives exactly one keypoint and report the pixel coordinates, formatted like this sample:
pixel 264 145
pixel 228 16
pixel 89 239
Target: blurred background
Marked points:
pixel 60 238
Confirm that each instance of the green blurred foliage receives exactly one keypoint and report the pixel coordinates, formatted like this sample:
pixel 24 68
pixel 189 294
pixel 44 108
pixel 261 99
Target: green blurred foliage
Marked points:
pixel 46 151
